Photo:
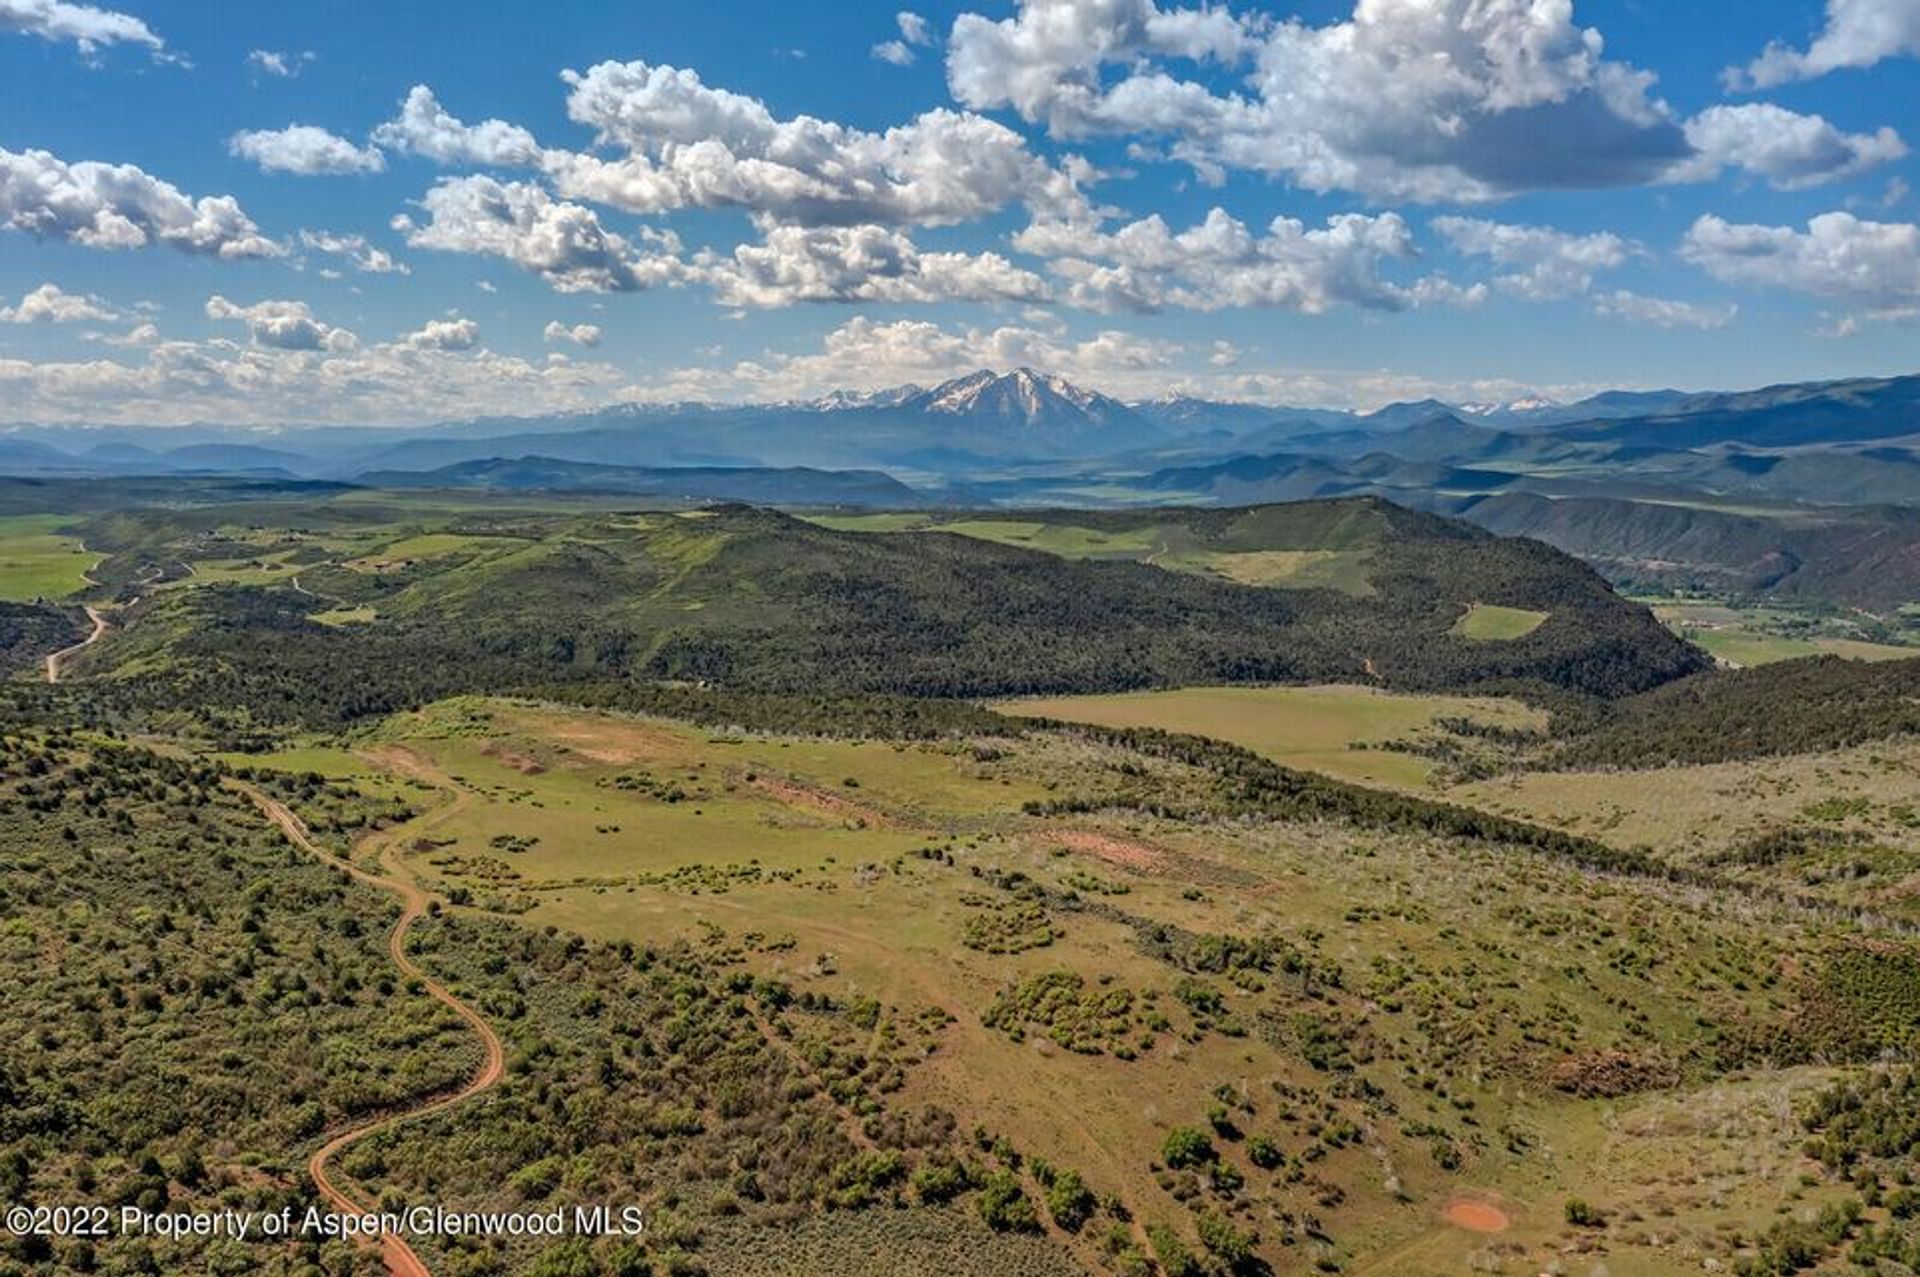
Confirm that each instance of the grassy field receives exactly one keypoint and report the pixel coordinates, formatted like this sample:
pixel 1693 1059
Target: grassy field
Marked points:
pixel 1323 729
pixel 870 870
pixel 1489 623
pixel 37 561
pixel 1760 636
pixel 1170 546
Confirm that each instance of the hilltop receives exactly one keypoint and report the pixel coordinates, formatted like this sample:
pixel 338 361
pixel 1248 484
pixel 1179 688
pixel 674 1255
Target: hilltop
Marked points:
pixel 751 599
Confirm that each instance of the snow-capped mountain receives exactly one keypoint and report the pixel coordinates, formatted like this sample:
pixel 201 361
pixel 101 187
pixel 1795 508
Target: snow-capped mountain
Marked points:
pixel 1023 395
pixel 1190 415
pixel 853 400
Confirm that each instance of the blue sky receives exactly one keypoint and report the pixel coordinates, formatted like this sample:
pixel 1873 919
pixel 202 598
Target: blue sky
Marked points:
pixel 302 213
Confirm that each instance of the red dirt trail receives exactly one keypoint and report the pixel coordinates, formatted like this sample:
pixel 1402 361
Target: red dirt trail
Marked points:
pixel 399 1257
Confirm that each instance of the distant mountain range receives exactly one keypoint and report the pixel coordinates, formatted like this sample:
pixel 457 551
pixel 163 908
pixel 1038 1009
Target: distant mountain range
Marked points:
pixel 1831 454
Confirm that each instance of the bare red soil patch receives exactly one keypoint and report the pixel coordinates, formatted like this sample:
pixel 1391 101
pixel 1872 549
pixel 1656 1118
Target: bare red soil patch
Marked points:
pixel 1116 851
pixel 1476 1215
pixel 616 744
pixel 824 802
pixel 525 764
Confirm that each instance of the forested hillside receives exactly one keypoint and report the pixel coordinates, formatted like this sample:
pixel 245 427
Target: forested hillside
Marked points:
pixel 1793 707
pixel 754 600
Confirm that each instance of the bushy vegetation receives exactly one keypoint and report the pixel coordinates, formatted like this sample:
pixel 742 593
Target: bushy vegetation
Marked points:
pixel 29 631
pixel 1789 707
pixel 190 1000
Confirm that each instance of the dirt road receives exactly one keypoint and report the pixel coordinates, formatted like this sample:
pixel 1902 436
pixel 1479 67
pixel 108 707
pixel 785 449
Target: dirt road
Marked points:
pixel 399 1256
pixel 58 658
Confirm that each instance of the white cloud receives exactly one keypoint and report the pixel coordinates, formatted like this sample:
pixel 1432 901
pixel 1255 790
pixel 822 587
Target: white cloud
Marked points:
pixel 1546 263
pixel 285 66
pixel 444 334
pixel 1858 33
pixel 119 206
pixel 688 145
pixel 1873 266
pixel 1662 312
pixel 1220 263
pixel 50 304
pixel 682 144
pixel 859 264
pixel 138 335
pixel 1443 101
pixel 862 354
pixel 913 27
pixel 243 384
pixel 83 24
pixel 1437 100
pixel 563 243
pixel 913 31
pixel 1787 148
pixel 283 325
pixel 305 149
pixel 425 128
pixel 366 259
pixel 579 334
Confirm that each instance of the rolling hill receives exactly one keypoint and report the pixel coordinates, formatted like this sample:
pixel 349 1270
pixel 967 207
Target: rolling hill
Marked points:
pixel 750 599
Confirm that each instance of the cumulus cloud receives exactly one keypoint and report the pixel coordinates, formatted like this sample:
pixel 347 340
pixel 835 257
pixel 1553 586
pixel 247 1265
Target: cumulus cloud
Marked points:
pixel 587 335
pixel 894 51
pixel 859 264
pixel 1872 266
pixel 247 384
pixel 1787 148
pixel 1413 99
pixel 427 129
pixel 82 24
pixel 1426 100
pixel 305 149
pixel 690 145
pixel 1544 263
pixel 1662 312
pixel 284 66
pixel 283 325
pixel 862 354
pixel 444 334
pixel 366 258
pixel 1220 263
pixel 563 243
pixel 685 144
pixel 1858 33
pixel 50 304
pixel 120 206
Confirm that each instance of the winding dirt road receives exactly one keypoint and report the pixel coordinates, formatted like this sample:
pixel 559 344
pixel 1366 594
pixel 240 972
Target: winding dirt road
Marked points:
pixel 56 659
pixel 399 1256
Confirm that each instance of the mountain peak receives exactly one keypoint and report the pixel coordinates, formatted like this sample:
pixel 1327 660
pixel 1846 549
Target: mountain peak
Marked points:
pixel 1022 395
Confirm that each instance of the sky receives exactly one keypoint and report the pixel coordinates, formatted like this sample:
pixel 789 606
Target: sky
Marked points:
pixel 274 214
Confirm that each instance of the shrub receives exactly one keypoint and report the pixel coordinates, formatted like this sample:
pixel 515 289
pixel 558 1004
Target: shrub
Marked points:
pixel 1004 1205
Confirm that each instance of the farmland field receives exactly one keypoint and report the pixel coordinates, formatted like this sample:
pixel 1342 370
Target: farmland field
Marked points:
pixel 1759 636
pixel 39 561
